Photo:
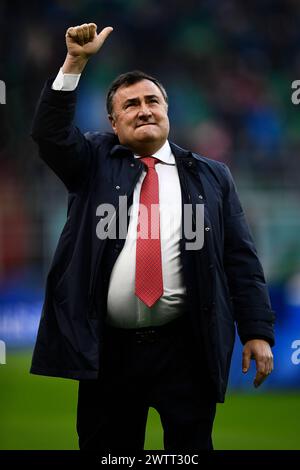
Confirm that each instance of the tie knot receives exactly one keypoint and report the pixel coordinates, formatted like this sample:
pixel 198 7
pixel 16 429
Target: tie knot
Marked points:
pixel 150 162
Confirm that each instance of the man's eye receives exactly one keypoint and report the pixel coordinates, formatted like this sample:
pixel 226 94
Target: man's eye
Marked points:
pixel 129 105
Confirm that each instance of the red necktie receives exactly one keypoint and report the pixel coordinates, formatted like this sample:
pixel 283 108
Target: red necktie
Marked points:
pixel 148 273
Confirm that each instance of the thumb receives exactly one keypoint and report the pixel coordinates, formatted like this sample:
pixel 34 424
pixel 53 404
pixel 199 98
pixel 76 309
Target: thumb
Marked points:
pixel 246 360
pixel 102 36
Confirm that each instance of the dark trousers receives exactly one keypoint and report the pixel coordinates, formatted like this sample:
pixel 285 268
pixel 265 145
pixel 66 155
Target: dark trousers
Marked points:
pixel 160 367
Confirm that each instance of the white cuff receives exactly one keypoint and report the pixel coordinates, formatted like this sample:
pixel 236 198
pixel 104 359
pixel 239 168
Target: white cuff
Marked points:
pixel 66 81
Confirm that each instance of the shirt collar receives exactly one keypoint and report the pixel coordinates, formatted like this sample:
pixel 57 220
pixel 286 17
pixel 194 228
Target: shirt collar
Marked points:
pixel 164 154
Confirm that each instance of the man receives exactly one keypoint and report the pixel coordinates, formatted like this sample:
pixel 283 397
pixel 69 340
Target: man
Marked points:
pixel 143 320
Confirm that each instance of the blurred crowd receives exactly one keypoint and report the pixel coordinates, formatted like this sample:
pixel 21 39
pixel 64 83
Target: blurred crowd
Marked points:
pixel 227 66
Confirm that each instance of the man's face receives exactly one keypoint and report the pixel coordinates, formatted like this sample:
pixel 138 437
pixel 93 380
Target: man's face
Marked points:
pixel 139 116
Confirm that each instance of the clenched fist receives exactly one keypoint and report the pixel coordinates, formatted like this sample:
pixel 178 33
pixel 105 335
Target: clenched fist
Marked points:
pixel 83 42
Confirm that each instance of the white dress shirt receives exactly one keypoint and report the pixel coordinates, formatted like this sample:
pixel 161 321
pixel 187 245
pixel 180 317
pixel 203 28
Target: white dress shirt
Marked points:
pixel 124 309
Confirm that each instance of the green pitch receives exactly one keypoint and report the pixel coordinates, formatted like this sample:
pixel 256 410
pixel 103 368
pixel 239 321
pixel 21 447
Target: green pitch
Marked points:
pixel 40 413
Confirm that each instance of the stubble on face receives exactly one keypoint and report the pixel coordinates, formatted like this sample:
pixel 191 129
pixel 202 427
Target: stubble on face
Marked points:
pixel 140 118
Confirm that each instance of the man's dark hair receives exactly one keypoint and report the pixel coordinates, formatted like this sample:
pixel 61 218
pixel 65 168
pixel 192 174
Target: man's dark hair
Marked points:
pixel 127 79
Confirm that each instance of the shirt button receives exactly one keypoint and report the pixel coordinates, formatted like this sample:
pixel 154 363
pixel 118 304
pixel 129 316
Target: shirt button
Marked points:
pixel 200 196
pixel 118 187
pixel 207 229
pixel 132 165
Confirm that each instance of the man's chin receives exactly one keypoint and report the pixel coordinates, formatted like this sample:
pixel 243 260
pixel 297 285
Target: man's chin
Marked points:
pixel 147 134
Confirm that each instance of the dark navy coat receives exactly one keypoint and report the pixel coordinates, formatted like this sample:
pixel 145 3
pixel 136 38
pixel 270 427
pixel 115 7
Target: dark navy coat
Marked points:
pixel 224 279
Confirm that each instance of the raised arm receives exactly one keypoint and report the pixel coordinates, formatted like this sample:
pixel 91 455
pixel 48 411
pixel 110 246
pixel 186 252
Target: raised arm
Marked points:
pixel 83 42
pixel 61 144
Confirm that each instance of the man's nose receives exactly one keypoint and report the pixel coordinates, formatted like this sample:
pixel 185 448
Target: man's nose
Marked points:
pixel 144 110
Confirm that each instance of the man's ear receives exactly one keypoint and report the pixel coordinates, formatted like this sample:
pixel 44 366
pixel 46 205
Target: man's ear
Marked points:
pixel 113 123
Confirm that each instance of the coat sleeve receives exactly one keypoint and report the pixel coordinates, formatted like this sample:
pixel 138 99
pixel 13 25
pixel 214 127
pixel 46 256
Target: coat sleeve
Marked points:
pixel 61 145
pixel 248 290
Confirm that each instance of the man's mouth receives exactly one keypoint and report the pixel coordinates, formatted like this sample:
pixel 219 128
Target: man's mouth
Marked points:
pixel 146 124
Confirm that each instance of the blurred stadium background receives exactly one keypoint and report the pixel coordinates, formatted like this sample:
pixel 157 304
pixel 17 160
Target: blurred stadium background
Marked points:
pixel 228 67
